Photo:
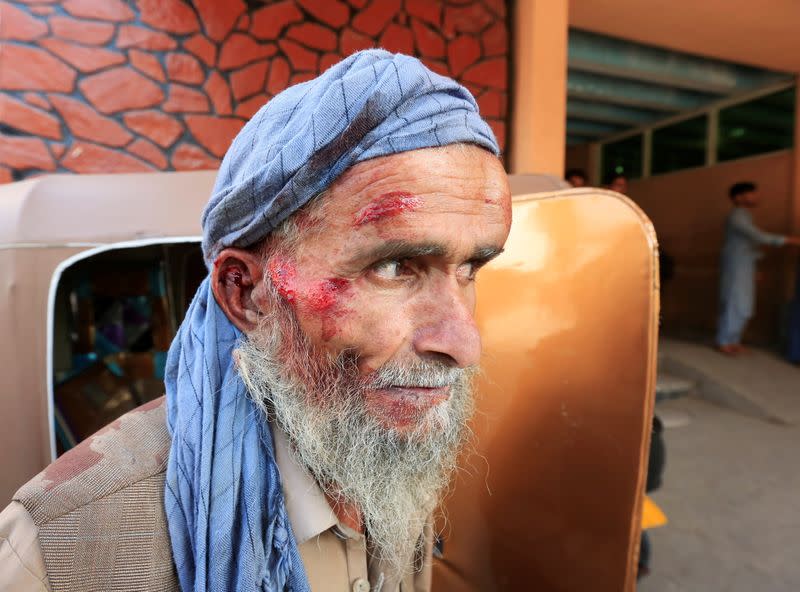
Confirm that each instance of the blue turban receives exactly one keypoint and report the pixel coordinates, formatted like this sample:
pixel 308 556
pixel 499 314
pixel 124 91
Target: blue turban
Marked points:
pixel 223 499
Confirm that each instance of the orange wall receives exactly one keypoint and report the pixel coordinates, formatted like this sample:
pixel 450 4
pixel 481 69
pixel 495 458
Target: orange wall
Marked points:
pixel 104 86
pixel 688 209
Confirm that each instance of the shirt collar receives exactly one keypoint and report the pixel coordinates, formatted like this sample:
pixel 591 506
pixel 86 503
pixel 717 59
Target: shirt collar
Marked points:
pixel 309 512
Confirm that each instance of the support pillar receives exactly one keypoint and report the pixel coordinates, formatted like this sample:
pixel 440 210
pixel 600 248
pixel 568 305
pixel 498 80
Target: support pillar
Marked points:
pixel 539 87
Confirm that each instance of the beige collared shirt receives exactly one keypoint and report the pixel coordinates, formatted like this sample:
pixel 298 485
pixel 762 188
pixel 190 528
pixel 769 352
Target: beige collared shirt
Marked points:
pixel 335 556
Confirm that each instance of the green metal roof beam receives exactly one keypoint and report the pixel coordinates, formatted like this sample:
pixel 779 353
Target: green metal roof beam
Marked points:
pixel 575 140
pixel 616 91
pixel 605 113
pixel 590 128
pixel 609 56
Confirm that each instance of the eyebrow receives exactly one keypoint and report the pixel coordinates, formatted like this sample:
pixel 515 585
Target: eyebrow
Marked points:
pixel 409 250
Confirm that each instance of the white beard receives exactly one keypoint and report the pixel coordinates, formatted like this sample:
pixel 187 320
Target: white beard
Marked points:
pixel 394 478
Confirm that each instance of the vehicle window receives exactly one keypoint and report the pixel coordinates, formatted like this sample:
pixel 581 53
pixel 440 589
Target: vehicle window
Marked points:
pixel 115 315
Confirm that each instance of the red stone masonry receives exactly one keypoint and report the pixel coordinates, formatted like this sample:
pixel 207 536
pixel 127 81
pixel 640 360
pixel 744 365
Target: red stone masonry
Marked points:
pixel 92 86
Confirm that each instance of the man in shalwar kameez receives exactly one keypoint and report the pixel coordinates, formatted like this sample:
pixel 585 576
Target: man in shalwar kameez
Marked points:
pixel 318 390
pixel 740 252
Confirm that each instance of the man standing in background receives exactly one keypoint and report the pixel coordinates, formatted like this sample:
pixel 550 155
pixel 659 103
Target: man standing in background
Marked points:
pixel 575 177
pixel 740 252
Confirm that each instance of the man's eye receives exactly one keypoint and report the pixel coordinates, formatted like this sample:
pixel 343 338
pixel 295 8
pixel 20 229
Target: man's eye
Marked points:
pixel 391 269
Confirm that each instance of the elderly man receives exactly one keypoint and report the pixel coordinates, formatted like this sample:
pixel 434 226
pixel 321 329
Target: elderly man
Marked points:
pixel 318 389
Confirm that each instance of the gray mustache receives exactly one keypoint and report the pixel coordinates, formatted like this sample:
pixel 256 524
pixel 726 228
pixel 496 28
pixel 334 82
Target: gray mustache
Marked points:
pixel 418 375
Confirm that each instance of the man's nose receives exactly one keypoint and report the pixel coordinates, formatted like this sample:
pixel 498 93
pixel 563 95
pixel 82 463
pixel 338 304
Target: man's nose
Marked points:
pixel 448 330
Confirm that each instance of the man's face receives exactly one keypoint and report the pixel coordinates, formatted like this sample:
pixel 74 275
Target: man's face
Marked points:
pixel 749 199
pixel 387 271
pixel 365 336
pixel 576 181
pixel 620 185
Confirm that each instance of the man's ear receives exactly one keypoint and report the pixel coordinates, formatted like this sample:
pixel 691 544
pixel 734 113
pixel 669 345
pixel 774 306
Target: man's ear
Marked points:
pixel 234 277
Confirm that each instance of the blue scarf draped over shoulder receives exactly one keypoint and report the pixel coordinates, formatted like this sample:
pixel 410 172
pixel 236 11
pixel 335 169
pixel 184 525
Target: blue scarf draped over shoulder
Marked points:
pixel 224 504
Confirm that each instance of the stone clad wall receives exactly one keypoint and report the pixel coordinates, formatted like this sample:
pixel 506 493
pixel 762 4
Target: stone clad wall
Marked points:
pixel 98 86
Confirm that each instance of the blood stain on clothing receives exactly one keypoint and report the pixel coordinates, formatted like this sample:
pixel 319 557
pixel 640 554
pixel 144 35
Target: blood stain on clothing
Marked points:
pixel 386 206
pixel 72 464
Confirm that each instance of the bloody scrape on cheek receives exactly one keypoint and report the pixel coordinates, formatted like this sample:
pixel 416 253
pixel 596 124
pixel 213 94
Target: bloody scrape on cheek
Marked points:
pixel 323 296
pixel 324 299
pixel 284 277
pixel 321 299
pixel 387 205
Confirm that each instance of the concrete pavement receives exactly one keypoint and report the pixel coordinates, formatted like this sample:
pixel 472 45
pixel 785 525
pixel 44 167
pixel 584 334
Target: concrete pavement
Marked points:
pixel 732 483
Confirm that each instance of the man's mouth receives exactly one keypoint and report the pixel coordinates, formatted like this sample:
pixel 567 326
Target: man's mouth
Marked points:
pixel 401 406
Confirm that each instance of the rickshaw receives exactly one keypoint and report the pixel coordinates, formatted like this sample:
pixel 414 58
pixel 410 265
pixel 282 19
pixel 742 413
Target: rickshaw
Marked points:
pixel 99 269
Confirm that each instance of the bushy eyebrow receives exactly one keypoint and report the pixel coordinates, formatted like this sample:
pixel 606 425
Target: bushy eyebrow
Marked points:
pixel 483 255
pixel 411 250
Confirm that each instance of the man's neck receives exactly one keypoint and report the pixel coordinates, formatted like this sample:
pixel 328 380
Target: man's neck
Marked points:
pixel 347 512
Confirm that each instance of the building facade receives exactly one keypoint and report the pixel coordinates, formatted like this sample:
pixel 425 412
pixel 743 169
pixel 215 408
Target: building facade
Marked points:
pixel 103 86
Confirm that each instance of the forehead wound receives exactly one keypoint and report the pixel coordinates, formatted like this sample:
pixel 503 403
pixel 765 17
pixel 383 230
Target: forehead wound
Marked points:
pixel 386 205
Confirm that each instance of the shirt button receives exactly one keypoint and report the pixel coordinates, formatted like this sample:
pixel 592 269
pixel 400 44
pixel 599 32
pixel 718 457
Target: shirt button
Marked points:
pixel 361 585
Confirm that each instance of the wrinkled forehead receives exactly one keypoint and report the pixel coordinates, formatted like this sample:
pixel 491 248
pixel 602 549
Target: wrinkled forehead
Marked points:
pixel 453 179
pixel 445 201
